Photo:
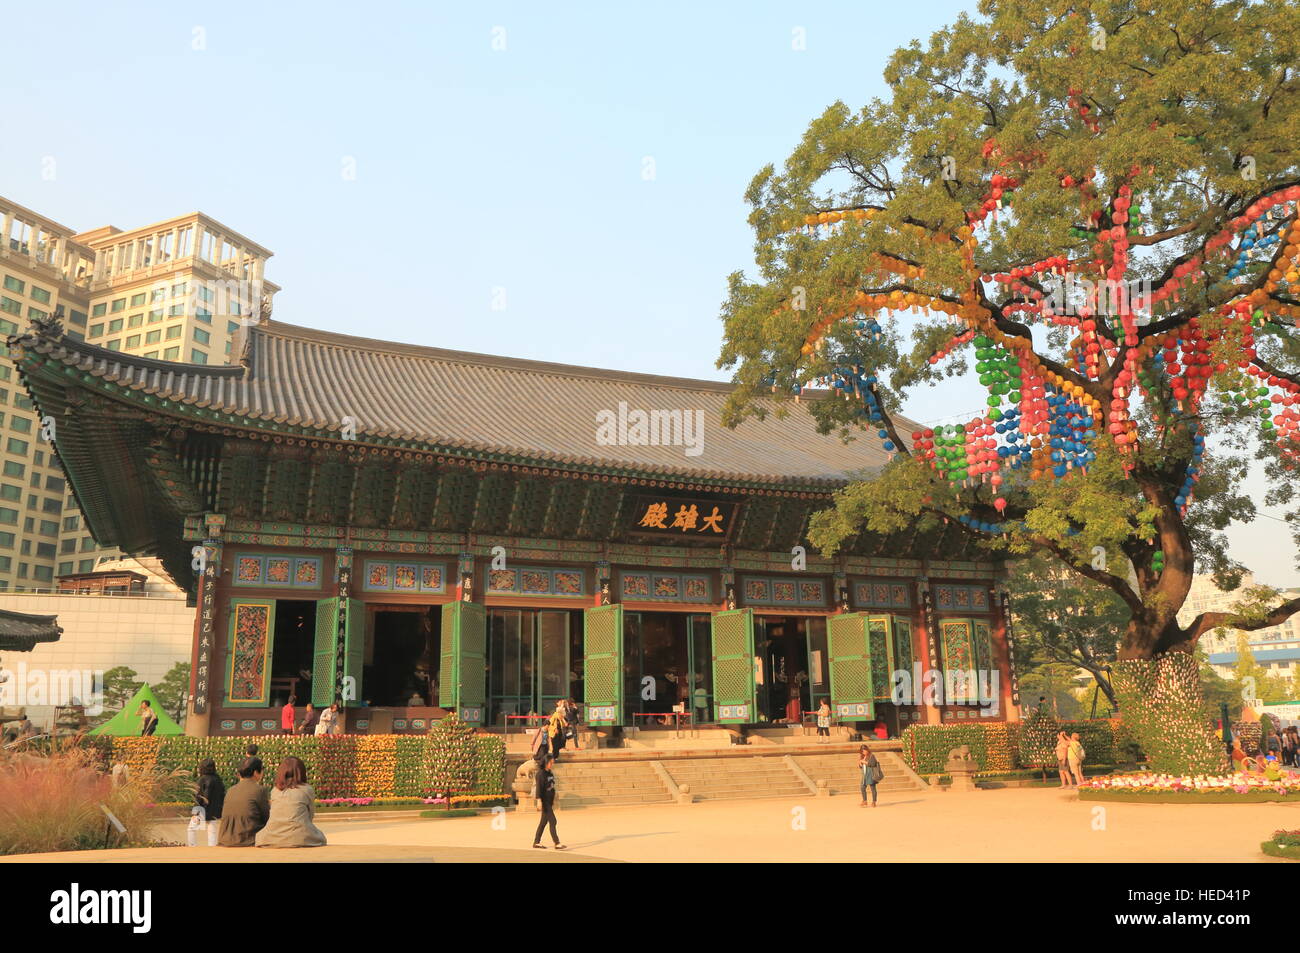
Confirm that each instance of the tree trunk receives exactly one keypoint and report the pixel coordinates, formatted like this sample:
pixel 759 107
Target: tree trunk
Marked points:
pixel 1160 702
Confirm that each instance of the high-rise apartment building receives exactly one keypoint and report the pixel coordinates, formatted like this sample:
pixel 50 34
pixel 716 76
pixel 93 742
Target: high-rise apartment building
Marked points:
pixel 175 291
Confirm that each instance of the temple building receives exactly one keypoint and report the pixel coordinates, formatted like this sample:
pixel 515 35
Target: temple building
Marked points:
pixel 411 530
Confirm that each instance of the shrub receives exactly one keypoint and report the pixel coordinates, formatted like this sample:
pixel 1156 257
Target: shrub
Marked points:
pixel 926 747
pixel 452 756
pixel 53 802
pixel 338 766
pixel 1097 738
pixel 1038 739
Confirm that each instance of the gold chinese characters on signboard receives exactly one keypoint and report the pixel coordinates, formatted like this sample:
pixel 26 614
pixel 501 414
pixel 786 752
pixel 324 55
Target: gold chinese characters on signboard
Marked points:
pixel 677 517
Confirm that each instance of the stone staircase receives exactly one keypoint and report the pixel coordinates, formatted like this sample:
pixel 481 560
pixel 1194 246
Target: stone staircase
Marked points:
pixel 711 779
pixel 606 783
pixel 842 776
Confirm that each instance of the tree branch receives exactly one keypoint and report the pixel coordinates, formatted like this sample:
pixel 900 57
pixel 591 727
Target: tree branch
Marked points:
pixel 1212 620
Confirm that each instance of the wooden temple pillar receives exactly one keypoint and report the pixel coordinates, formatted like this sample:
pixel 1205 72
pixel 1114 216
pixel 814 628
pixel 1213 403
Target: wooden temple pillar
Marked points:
pixel 929 656
pixel 204 667
pixel 1004 643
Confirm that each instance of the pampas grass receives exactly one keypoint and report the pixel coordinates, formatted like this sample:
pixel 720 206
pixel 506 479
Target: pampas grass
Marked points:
pixel 51 801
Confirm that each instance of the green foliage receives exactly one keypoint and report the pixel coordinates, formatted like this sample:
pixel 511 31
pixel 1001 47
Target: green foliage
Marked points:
pixel 1175 100
pixel 332 761
pixel 452 756
pixel 1216 691
pixel 173 691
pixel 992 745
pixel 1160 701
pixel 120 684
pixel 1098 740
pixel 1063 619
pixel 1038 739
pixel 490 765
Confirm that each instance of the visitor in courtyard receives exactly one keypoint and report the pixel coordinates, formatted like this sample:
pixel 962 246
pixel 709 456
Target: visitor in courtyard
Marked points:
pixel 882 731
pixel 1075 754
pixel 329 721
pixel 309 719
pixel 293 808
pixel 541 744
pixel 872 774
pixel 1273 744
pixel 572 716
pixel 824 720
pixel 1290 742
pixel 1062 758
pixel 246 807
pixel 544 791
pixel 211 797
pixel 149 718
pixel 555 729
pixel 287 715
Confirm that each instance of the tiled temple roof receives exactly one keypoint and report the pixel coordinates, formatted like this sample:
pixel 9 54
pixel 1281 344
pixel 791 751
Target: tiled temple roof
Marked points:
pixel 20 632
pixel 456 400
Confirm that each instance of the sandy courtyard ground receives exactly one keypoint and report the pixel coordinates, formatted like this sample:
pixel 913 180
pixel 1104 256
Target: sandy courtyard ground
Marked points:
pixel 998 825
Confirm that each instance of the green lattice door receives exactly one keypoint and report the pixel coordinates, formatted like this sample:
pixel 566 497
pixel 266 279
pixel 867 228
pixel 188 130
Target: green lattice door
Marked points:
pixel 734 697
pixel 880 639
pixel 325 655
pixel 462 675
pixel 904 657
pixel 602 648
pixel 352 653
pixel 848 643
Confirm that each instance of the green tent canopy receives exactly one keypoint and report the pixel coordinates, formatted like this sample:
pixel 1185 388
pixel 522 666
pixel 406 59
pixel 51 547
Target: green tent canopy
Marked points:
pixel 126 722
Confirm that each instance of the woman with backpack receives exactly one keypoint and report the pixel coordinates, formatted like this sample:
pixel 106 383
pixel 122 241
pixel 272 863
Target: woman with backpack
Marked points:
pixel 872 774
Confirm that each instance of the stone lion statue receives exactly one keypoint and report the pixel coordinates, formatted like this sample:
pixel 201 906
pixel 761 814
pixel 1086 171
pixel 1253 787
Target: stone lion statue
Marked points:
pixel 961 753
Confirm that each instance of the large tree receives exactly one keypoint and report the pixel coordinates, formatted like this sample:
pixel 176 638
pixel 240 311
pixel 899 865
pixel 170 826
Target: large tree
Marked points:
pixel 1099 196
pixel 1062 618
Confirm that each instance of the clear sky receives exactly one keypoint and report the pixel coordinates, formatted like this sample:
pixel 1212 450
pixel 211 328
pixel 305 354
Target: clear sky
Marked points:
pixel 556 181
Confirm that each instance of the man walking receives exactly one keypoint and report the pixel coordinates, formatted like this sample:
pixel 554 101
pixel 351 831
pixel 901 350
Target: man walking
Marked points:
pixel 544 791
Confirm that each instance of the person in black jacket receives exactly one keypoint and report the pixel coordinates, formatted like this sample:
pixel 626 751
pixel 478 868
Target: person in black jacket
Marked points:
pixel 544 791
pixel 211 796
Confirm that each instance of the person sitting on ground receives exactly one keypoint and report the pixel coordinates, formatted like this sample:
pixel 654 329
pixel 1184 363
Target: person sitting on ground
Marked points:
pixel 211 796
pixel 246 807
pixel 293 807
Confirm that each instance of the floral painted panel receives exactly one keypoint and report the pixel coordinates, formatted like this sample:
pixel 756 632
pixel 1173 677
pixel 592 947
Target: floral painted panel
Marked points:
pixel 568 583
pixel 251 630
pixel 667 587
pixel 277 570
pixel 536 581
